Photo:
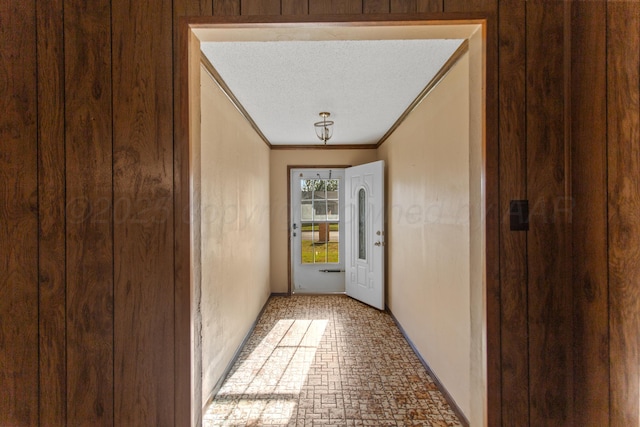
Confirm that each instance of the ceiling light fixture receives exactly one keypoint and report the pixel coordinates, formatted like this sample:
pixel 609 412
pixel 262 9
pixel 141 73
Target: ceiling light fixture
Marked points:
pixel 324 129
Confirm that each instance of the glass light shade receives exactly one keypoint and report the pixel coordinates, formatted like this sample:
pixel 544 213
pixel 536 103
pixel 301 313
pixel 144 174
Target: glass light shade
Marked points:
pixel 324 129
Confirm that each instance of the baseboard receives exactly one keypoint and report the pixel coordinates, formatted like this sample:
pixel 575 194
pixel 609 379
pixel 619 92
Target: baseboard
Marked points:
pixel 280 294
pixel 317 294
pixel 235 357
pixel 454 406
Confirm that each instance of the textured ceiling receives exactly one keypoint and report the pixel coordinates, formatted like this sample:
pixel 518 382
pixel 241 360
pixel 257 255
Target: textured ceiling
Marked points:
pixel 366 85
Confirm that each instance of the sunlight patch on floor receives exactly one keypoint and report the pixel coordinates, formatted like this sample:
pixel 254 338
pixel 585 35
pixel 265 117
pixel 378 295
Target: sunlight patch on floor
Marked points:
pixel 265 387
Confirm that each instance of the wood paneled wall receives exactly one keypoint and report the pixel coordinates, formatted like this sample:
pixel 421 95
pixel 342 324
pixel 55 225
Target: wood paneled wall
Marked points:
pixel 90 171
pixel 623 180
pixel 18 215
pixel 514 337
pixel 589 234
pixel 89 200
pixel 548 260
pixel 143 212
pixel 52 213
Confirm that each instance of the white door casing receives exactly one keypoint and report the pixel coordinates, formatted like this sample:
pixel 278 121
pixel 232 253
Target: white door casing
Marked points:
pixel 364 233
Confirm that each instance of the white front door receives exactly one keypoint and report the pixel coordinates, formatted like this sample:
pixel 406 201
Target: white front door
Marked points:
pixel 364 229
pixel 316 230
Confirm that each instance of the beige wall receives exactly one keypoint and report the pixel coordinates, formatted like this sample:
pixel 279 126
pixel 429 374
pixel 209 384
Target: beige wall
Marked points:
pixel 235 230
pixel 280 159
pixel 429 194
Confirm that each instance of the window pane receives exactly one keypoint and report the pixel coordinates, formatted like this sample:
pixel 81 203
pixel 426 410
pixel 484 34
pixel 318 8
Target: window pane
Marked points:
pixel 333 243
pixel 332 210
pixel 362 226
pixel 320 207
pixel 307 251
pixel 320 253
pixel 306 213
pixel 319 210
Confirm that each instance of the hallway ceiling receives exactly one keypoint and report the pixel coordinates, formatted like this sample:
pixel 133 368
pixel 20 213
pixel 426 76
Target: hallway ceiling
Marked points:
pixel 366 85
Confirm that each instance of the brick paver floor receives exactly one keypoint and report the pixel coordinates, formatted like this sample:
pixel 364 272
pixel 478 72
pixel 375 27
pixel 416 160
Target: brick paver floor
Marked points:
pixel 327 361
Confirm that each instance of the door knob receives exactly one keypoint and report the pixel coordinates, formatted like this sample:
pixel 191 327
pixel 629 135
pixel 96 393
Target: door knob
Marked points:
pixel 378 244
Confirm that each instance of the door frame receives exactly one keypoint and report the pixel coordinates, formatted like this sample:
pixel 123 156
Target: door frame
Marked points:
pixel 186 138
pixel 289 249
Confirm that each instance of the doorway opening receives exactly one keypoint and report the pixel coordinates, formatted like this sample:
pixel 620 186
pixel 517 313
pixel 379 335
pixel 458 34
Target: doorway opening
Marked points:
pixel 337 233
pixel 189 245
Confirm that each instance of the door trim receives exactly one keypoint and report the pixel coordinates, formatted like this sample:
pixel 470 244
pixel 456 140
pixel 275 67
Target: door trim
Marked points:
pixel 289 167
pixel 186 98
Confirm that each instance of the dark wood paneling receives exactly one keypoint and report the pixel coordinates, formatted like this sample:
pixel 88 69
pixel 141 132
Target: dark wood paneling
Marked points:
pixel 226 7
pixel 412 6
pixel 143 220
pixel 320 7
pixel 589 224
pixel 375 6
pixel 491 188
pixel 623 80
pixel 18 216
pixel 549 276
pixel 200 7
pixel 513 244
pixel 470 5
pixel 260 7
pixel 403 6
pixel 492 217
pixel 430 5
pixel 88 121
pixel 295 7
pixel 51 213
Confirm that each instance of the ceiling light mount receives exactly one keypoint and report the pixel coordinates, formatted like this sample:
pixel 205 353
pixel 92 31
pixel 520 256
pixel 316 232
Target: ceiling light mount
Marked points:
pixel 324 128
